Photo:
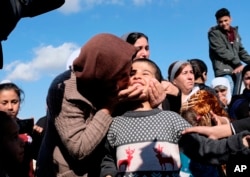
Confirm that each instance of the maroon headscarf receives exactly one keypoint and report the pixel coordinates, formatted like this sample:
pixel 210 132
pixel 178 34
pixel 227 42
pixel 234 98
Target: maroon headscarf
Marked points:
pixel 103 57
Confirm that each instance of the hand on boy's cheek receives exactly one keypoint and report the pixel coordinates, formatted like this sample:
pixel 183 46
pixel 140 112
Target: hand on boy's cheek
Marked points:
pixel 156 93
pixel 134 92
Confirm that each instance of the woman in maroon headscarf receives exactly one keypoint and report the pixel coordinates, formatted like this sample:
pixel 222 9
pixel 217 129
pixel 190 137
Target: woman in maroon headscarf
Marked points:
pixel 80 103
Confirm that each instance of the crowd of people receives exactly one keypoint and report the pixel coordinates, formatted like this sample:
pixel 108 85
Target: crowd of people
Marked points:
pixel 112 113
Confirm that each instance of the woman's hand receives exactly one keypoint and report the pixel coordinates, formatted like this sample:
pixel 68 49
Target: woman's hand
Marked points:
pixel 133 92
pixel 170 88
pixel 156 93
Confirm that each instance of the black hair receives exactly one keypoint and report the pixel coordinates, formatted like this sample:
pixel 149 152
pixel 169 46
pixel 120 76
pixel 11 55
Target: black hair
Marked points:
pixel 4 119
pixel 221 13
pixel 245 69
pixel 132 37
pixel 199 67
pixel 158 74
pixel 9 86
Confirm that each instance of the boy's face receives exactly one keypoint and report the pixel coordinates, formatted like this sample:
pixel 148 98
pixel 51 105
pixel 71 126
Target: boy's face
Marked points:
pixel 224 22
pixel 13 146
pixel 141 74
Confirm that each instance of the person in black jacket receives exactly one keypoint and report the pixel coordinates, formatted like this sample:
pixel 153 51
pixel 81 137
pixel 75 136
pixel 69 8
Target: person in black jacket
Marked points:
pixel 221 131
pixel 239 105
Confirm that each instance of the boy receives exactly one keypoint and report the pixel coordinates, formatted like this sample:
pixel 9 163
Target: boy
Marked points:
pixel 144 141
pixel 225 48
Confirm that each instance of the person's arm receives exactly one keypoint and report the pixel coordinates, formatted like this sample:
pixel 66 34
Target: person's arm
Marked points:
pixel 108 165
pixel 218 45
pixel 215 132
pixel 241 125
pixel 243 54
pixel 79 127
pixel 206 150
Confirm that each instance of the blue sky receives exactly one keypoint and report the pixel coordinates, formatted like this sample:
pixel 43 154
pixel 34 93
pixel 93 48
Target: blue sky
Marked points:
pixel 38 48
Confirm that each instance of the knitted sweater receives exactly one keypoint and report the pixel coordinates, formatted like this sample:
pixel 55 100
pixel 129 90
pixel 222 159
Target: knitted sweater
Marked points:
pixel 145 143
pixel 72 141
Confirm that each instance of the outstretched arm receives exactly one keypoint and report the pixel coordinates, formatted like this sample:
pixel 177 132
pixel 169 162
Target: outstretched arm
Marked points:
pixel 206 150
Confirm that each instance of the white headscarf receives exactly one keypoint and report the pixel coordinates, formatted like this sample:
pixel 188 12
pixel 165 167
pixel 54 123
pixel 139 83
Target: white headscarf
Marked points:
pixel 224 82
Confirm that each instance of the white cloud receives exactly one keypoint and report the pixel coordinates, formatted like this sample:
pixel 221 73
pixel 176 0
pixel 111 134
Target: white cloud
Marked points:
pixel 48 60
pixel 141 2
pixel 74 6
pixel 71 6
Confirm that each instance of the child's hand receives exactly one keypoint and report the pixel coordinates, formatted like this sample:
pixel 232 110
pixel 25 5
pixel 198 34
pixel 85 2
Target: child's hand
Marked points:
pixel 38 129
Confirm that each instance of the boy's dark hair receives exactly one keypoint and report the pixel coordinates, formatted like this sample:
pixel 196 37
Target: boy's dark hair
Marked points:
pixel 158 74
pixel 199 67
pixel 221 13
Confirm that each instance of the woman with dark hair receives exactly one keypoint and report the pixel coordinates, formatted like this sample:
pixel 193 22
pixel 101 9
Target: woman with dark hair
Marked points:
pixel 140 41
pixel 200 74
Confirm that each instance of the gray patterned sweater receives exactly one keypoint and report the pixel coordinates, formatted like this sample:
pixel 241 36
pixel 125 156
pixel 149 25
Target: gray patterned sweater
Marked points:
pixel 146 143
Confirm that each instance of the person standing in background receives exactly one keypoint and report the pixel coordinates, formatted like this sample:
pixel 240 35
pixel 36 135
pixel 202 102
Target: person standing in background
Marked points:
pixel 225 48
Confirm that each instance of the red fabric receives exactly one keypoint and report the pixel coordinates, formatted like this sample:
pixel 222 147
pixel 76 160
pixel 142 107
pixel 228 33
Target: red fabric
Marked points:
pixel 27 165
pixel 231 35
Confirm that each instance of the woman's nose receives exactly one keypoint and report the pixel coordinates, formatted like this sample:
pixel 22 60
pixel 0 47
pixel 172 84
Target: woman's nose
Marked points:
pixel 9 106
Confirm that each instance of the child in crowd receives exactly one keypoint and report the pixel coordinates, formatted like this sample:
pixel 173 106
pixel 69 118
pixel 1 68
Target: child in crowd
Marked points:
pixel 11 97
pixel 11 147
pixel 197 111
pixel 145 141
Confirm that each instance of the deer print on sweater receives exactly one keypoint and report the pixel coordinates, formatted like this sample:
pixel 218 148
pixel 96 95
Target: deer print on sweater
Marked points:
pixel 163 160
pixel 125 163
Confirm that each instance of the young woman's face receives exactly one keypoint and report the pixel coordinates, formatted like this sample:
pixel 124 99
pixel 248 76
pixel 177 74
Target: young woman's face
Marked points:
pixel 224 22
pixel 246 80
pixel 9 102
pixel 13 146
pixel 185 80
pixel 141 74
pixel 143 48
